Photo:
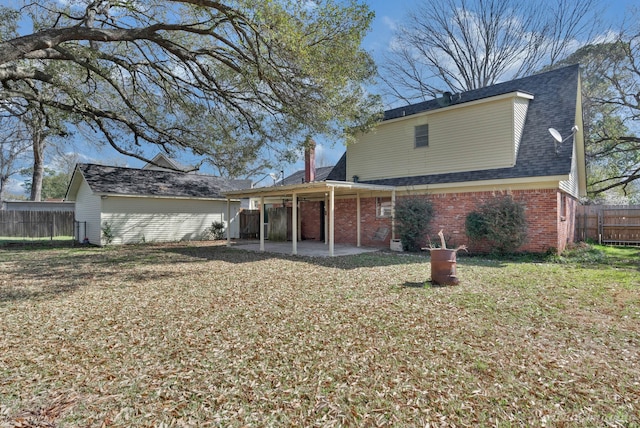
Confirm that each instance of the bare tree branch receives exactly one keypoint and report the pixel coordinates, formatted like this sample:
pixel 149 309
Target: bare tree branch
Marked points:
pixel 157 72
pixel 459 45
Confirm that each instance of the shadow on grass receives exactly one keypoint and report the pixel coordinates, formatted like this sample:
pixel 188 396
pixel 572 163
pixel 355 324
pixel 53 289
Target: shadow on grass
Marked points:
pixel 239 256
pixel 35 245
pixel 426 284
pixel 34 272
pixel 417 284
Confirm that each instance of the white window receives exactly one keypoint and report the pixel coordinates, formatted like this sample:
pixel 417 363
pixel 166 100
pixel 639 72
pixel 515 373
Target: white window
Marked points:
pixel 383 207
pixel 422 136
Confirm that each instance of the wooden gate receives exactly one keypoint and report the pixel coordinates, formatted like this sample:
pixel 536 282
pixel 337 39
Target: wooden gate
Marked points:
pixel 609 224
pixel 250 224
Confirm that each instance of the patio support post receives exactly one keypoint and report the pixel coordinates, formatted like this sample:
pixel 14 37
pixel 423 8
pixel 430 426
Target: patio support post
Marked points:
pixel 294 224
pixel 228 222
pixel 358 223
pixel 332 199
pixel 326 219
pixel 393 214
pixel 261 223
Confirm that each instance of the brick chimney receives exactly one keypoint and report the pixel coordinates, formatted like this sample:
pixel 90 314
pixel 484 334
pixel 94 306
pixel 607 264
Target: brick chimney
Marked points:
pixel 310 161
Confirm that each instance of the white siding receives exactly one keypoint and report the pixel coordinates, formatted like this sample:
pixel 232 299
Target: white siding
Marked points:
pixel 88 210
pixel 519 116
pixel 571 185
pixel 136 220
pixel 470 137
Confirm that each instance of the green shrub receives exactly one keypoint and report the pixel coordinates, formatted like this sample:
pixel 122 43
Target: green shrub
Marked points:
pixel 107 232
pixel 216 231
pixel 501 221
pixel 475 226
pixel 413 216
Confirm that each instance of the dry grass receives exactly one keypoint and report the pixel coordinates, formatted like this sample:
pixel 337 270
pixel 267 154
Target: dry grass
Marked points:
pixel 202 335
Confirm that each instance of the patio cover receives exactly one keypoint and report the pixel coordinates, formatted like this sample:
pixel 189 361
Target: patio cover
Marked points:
pixel 326 191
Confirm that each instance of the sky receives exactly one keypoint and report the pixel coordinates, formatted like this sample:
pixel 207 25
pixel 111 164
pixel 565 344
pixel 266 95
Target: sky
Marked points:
pixel 389 14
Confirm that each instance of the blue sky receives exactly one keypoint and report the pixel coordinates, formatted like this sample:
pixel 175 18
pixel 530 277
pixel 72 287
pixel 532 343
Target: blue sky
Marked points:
pixel 389 14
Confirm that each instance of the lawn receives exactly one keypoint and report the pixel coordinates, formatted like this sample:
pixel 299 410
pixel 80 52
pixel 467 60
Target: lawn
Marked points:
pixel 204 335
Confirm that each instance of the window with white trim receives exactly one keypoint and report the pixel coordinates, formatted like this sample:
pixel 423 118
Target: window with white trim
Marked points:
pixel 383 207
pixel 421 136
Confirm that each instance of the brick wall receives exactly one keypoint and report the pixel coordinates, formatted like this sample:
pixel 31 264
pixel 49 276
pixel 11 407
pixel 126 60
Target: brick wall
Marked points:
pixel 310 215
pixel 547 228
pixel 566 222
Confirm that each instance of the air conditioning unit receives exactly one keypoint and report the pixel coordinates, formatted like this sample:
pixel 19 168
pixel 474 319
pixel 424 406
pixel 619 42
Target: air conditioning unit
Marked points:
pixel 395 245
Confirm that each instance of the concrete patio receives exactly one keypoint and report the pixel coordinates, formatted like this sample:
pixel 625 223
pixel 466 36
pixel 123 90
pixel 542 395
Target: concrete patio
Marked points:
pixel 305 248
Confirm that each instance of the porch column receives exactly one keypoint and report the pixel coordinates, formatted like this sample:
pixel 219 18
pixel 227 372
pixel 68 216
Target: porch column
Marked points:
pixel 325 215
pixel 294 224
pixel 332 198
pixel 261 223
pixel 358 232
pixel 393 214
pixel 228 222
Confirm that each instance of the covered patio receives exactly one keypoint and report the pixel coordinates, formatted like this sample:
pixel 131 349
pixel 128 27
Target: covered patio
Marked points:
pixel 327 191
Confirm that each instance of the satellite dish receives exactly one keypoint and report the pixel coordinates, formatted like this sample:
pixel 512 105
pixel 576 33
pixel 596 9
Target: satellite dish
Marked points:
pixel 555 134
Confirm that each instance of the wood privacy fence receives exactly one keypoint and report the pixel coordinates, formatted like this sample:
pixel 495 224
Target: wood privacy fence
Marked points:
pixel 36 224
pixel 609 224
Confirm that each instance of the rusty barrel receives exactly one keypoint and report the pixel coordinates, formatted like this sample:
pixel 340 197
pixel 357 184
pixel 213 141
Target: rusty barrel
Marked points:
pixel 443 267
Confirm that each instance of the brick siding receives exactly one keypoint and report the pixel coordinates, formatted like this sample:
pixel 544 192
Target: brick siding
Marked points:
pixel 548 230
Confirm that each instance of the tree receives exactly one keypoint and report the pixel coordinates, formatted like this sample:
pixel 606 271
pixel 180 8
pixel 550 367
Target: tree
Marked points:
pixel 197 75
pixel 14 146
pixel 38 126
pixel 610 82
pixel 55 177
pixel 54 184
pixel 459 45
pixel 614 144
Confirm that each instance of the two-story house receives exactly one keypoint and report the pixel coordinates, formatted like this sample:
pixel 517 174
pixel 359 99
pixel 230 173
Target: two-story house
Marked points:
pixel 458 150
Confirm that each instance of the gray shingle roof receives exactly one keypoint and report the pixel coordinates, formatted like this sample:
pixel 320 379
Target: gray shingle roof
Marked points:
pixel 298 176
pixel 339 171
pixel 148 182
pixel 554 105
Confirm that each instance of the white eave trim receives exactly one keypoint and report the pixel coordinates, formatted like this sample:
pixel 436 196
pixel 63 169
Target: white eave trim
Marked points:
pixel 543 182
pixel 509 95
pixel 313 187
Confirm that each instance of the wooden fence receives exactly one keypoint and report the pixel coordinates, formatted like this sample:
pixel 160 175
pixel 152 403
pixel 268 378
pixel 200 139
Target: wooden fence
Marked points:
pixel 250 224
pixel 609 224
pixel 36 224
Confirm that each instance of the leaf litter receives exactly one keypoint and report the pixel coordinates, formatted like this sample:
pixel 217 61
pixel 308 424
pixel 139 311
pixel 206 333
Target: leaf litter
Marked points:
pixel 202 335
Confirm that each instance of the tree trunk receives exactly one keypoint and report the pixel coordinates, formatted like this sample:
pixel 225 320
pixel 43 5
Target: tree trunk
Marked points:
pixel 3 179
pixel 38 165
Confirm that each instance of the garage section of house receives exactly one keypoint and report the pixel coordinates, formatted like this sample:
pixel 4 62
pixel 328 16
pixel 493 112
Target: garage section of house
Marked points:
pixel 144 205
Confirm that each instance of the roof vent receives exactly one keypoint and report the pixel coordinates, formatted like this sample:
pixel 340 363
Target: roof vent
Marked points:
pixel 445 99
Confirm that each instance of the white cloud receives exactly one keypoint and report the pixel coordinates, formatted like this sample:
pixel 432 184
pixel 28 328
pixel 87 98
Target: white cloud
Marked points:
pixel 390 23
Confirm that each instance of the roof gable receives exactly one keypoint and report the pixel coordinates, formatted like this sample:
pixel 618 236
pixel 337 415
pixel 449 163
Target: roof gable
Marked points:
pixel 163 162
